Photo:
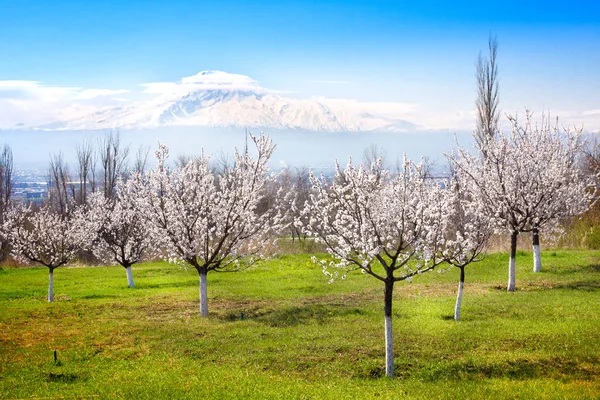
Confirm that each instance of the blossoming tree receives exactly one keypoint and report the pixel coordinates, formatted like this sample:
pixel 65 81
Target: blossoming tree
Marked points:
pixel 528 180
pixel 122 233
pixel 211 221
pixel 46 237
pixel 384 226
pixel 465 230
pixel 554 186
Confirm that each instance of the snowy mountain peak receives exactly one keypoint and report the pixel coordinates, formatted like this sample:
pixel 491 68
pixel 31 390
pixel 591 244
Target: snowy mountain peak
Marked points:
pixel 221 80
pixel 221 99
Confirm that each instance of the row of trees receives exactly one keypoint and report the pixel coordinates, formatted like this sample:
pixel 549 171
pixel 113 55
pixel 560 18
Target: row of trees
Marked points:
pixel 389 225
pixel 99 166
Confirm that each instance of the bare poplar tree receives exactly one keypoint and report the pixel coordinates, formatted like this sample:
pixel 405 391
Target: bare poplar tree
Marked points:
pixel 113 158
pixel 141 159
pixel 6 185
pixel 86 161
pixel 488 98
pixel 59 183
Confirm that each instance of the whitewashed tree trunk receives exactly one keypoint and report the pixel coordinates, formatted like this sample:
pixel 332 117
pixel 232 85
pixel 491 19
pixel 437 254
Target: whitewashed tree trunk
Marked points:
pixel 203 294
pixel 459 295
pixel 389 347
pixel 512 262
pixel 389 335
pixel 51 286
pixel 537 259
pixel 129 276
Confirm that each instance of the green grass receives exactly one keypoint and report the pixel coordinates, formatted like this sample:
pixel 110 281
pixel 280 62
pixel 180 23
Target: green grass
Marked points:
pixel 300 337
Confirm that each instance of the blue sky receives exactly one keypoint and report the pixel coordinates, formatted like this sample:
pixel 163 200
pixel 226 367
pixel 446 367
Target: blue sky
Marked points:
pixel 386 51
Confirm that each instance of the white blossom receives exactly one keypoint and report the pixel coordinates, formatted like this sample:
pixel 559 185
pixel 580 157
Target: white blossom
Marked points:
pixel 213 222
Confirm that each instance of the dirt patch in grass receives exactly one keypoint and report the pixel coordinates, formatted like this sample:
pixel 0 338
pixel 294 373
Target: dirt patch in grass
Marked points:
pixel 441 289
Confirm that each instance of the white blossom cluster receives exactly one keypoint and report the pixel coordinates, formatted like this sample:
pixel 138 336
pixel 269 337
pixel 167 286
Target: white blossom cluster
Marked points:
pixel 122 236
pixel 207 220
pixel 528 179
pixel 45 236
pixel 390 227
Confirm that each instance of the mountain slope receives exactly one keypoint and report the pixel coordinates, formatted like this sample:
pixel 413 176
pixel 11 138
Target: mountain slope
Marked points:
pixel 218 99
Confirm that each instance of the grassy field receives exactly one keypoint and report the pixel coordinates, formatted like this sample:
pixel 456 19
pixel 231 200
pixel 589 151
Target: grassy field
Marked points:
pixel 279 330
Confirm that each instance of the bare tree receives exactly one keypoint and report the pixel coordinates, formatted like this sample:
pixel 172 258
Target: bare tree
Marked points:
pixel 113 158
pixel 86 161
pixel 141 159
pixel 221 163
pixel 488 98
pixel 372 153
pixel 6 186
pixel 59 183
pixel 183 159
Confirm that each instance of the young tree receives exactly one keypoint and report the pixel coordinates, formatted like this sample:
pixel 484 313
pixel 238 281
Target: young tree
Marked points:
pixel 122 234
pixel 553 185
pixel 384 226
pixel 526 181
pixel 211 222
pixel 465 231
pixel 296 181
pixel 46 237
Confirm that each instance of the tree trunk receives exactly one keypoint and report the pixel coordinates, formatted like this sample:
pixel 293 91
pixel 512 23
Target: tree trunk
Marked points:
pixel 537 259
pixel 51 286
pixel 203 293
pixel 389 337
pixel 511 264
pixel 129 276
pixel 461 284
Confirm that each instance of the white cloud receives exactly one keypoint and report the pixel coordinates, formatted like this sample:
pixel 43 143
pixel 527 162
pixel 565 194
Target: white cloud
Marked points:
pixel 204 80
pixel 328 82
pixel 33 89
pixel 591 113
pixel 34 103
pixel 93 93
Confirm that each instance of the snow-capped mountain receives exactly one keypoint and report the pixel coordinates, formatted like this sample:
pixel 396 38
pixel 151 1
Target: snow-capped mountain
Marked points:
pixel 219 99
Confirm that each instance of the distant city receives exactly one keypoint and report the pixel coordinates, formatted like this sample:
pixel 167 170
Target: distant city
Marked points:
pixel 30 186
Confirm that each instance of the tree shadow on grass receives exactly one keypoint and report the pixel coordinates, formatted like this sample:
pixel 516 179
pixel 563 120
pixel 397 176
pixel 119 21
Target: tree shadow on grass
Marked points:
pixel 574 269
pixel 295 315
pixel 556 367
pixel 512 369
pixel 167 285
pixel 100 296
pixel 587 286
pixel 62 377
